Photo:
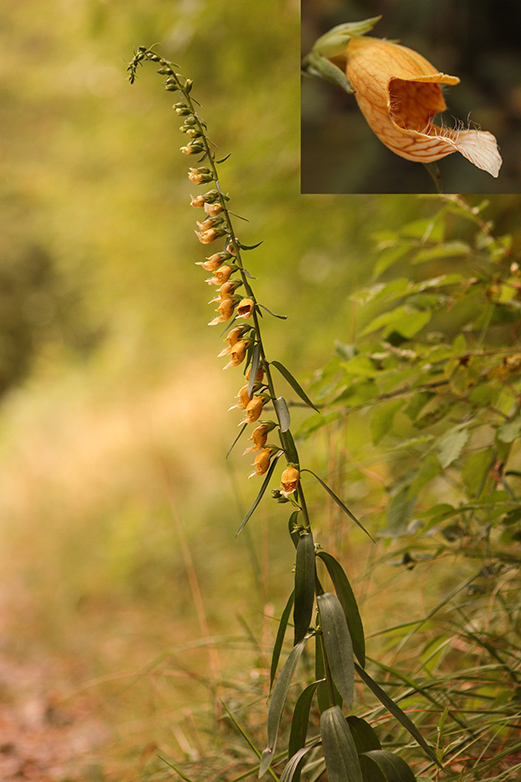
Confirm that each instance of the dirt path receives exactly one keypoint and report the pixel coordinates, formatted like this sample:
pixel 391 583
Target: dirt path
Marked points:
pixel 44 736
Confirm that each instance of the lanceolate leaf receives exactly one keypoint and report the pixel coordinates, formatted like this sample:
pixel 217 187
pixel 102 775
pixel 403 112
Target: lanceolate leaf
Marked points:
pixel 339 748
pixel 348 603
pixel 337 642
pixel 294 765
pixel 278 699
pixel 393 767
pixel 338 502
pixel 304 585
pixel 363 734
pixel 300 719
pixel 279 640
pixel 286 374
pixel 395 710
pixel 282 411
pixel 260 494
pixel 290 448
pixel 255 357
pixel 232 446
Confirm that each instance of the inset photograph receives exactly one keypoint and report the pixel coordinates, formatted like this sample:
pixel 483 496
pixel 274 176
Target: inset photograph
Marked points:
pixel 411 96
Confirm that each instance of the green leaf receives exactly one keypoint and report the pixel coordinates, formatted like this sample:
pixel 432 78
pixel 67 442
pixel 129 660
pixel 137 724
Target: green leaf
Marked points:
pixel 255 358
pixel 339 748
pixel 279 640
pixel 400 510
pixel 338 645
pixel 429 468
pixel 510 430
pixel 396 711
pixel 363 734
pixel 300 719
pixel 278 699
pixel 281 408
pixel 232 446
pixel 286 374
pixel 348 602
pixel 451 445
pixel 405 320
pixel 294 765
pixel 388 256
pixel 260 494
pixel 426 228
pixel 443 250
pixel 290 449
pixel 274 314
pixel 338 501
pixel 304 585
pixel 475 472
pixel 382 419
pixel 393 767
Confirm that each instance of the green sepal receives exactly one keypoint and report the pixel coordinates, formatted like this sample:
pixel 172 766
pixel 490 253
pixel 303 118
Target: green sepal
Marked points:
pixel 319 67
pixel 335 41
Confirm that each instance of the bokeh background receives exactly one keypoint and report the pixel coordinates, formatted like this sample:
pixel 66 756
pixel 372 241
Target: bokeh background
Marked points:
pixel 114 489
pixel 476 41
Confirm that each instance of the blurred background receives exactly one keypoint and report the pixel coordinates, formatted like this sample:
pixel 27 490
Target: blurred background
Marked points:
pixel 478 42
pixel 115 495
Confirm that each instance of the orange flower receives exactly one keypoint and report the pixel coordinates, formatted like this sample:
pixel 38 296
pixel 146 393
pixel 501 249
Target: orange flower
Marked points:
pixel 245 308
pixel 399 92
pixel 243 397
pixel 225 308
pixel 220 276
pixel 205 237
pixel 254 409
pixel 237 354
pixel 262 461
pixel 289 481
pixel 259 436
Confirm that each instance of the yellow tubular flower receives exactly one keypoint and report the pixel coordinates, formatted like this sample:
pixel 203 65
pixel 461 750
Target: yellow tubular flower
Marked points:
pixel 262 462
pixel 225 308
pixel 237 354
pixel 245 308
pixel 254 409
pixel 399 92
pixel 289 481
pixel 259 436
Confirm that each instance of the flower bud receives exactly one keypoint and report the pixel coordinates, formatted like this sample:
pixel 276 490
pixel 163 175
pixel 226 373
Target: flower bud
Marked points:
pixel 210 222
pixel 245 308
pixel 213 261
pixel 199 175
pixel 193 148
pixel 289 481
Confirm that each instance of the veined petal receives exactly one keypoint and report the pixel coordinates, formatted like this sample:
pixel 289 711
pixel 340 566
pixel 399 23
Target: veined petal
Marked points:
pixel 399 94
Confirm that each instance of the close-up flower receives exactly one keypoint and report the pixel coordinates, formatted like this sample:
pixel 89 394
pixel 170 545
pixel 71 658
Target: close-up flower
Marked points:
pixel 259 436
pixel 254 409
pixel 399 92
pixel 245 308
pixel 225 310
pixel 237 353
pixel 262 461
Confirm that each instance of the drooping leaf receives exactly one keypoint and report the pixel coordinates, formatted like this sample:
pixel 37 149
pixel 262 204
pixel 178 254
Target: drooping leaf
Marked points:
pixel 300 719
pixel 293 767
pixel 250 246
pixel 338 501
pixel 348 602
pixel 338 645
pixel 393 767
pixel 304 585
pixel 286 374
pixel 281 408
pixel 255 358
pixel 339 748
pixel 278 699
pixel 363 734
pixel 260 494
pixel 397 712
pixel 279 640
pixel 274 314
